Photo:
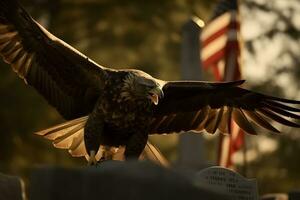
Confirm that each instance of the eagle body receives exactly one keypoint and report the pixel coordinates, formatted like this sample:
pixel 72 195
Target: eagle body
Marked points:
pixel 118 117
pixel 112 108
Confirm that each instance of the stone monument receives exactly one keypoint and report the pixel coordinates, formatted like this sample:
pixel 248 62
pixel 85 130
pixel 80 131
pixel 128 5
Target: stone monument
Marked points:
pixel 11 188
pixel 227 182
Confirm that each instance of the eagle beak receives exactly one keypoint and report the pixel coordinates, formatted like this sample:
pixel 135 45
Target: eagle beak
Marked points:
pixel 155 95
pixel 154 98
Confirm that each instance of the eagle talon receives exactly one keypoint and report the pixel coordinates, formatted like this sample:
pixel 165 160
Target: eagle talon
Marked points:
pixel 102 159
pixel 92 159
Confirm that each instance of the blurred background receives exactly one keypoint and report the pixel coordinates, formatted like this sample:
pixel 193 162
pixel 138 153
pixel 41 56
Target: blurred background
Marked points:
pixel 148 36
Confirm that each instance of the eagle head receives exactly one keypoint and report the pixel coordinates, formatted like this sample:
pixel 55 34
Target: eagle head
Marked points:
pixel 139 85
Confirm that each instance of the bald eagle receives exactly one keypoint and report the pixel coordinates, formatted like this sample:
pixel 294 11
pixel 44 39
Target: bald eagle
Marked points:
pixel 108 108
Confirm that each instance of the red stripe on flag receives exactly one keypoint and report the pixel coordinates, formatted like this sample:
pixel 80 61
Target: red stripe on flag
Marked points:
pixel 212 60
pixel 232 26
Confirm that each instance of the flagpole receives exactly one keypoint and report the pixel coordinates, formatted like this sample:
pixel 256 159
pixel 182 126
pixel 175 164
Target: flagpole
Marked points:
pixel 245 164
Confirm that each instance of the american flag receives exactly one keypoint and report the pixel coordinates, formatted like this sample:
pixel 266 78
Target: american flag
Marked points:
pixel 220 41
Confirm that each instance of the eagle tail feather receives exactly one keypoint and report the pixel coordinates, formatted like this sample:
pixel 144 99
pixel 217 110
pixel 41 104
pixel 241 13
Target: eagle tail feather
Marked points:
pixel 152 153
pixel 61 129
pixel 70 135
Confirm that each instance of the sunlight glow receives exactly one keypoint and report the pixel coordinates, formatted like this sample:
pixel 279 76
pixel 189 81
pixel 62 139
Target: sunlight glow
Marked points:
pixel 198 21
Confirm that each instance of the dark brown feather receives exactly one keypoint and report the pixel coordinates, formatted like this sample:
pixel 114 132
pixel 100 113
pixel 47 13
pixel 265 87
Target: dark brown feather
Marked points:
pixel 214 119
pixel 58 71
pixel 200 119
pixel 225 124
pixel 241 120
pixel 278 118
pixel 281 111
pixel 260 120
pixel 282 106
pixel 182 98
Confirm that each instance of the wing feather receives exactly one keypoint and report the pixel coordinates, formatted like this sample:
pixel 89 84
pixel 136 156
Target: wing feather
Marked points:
pixel 212 106
pixel 225 124
pixel 240 118
pixel 260 120
pixel 211 122
pixel 202 118
pixel 282 106
pixel 278 118
pixel 281 111
pixel 69 80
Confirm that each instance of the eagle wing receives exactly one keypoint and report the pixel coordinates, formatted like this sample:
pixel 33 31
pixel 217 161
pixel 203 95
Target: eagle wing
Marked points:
pixel 211 106
pixel 69 81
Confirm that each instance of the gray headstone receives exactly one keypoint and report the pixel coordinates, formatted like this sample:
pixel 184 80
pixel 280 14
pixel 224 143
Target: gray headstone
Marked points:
pixel 11 188
pixel 115 180
pixel 294 195
pixel 227 182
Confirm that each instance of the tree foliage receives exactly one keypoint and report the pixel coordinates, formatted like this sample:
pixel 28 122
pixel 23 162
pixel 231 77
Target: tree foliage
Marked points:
pixel 272 36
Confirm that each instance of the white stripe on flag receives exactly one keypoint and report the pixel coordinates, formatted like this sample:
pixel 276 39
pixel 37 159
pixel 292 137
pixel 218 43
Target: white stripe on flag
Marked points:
pixel 218 44
pixel 218 23
pixel 213 47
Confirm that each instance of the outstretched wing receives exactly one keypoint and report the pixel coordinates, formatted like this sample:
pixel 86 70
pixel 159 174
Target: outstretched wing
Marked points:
pixel 211 106
pixel 69 81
